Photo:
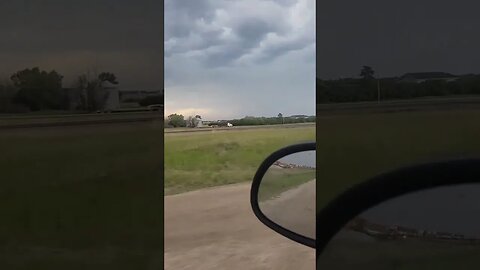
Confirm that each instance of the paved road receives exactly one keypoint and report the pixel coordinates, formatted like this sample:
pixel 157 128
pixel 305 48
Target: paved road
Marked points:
pixel 216 229
pixel 16 122
pixel 405 105
pixel 209 129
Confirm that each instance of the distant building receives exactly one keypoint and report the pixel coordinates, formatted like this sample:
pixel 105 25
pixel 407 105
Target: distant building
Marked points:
pixel 195 122
pixel 137 95
pixel 108 97
pixel 420 77
pixel 198 122
pixel 299 116
pixel 112 101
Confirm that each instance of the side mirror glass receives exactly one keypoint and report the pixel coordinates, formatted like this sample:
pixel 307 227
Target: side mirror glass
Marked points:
pixel 436 228
pixel 283 193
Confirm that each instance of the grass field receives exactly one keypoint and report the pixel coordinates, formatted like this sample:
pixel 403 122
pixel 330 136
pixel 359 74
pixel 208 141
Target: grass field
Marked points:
pixel 278 180
pixel 88 195
pixel 352 148
pixel 196 160
pixel 81 197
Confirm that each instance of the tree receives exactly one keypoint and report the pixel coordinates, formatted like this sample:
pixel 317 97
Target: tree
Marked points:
pixel 189 122
pixel 38 89
pixel 176 120
pixel 367 73
pixel 280 115
pixel 107 77
pixel 7 94
pixel 81 86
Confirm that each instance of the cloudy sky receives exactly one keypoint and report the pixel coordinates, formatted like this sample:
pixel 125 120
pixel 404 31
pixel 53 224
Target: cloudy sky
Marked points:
pixel 119 36
pixel 396 37
pixel 228 59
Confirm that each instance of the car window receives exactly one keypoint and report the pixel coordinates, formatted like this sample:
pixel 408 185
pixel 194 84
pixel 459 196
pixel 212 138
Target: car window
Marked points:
pixel 397 84
pixel 81 163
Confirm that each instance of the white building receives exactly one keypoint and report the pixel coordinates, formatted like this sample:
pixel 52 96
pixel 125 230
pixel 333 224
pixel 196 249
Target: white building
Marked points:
pixel 112 101
pixel 108 97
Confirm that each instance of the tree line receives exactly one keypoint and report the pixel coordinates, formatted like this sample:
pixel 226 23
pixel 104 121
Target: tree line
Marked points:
pixel 33 89
pixel 278 120
pixel 178 120
pixel 368 88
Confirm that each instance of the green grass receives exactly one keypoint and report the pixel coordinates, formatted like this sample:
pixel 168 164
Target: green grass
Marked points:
pixel 78 189
pixel 277 181
pixel 353 148
pixel 93 188
pixel 197 160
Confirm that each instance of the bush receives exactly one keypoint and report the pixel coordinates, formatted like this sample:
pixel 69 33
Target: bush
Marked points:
pixel 176 120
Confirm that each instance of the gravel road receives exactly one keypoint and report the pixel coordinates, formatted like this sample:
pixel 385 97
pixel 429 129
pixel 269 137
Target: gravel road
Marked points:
pixel 215 228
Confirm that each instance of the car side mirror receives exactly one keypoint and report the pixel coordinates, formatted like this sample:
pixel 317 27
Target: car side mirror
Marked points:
pixel 392 218
pixel 283 192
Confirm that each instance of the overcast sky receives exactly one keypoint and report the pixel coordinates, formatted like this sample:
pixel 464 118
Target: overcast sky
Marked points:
pixel 228 59
pixel 119 36
pixel 396 37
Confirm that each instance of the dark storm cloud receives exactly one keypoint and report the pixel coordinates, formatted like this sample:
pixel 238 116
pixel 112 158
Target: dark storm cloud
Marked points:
pixel 249 34
pixel 69 25
pixel 253 30
pixel 397 37
pixel 180 21
pixel 221 32
pixel 280 48
pixel 221 53
pixel 53 31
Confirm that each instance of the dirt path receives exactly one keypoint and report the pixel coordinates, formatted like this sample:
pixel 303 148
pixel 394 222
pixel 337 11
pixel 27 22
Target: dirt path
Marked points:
pixel 294 209
pixel 216 229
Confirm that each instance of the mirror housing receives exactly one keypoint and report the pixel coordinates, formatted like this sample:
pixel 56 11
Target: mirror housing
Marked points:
pixel 389 185
pixel 266 164
pixel 434 228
